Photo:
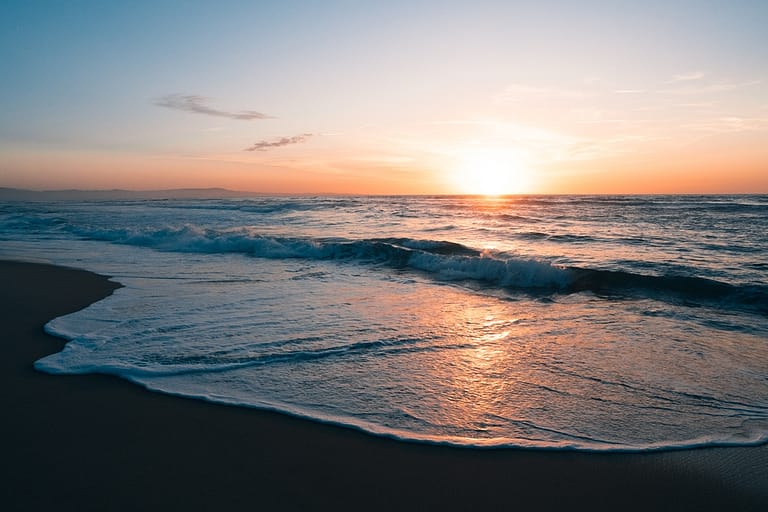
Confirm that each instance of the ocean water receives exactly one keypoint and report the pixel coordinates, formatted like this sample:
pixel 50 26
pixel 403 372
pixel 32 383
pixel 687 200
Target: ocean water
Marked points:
pixel 552 322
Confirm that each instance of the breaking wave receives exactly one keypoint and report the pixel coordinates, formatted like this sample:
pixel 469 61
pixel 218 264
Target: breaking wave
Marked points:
pixel 447 261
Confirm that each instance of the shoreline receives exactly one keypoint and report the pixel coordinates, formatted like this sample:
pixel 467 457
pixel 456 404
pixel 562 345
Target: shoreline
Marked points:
pixel 97 442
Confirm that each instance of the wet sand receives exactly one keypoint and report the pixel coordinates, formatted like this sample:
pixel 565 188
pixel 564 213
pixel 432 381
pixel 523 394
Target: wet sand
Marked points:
pixel 96 442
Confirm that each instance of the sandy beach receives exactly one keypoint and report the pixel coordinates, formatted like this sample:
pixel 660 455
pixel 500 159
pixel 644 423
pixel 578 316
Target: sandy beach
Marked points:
pixel 96 442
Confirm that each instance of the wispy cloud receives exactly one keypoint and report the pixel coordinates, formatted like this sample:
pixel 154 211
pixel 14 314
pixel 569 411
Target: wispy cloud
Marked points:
pixel 265 145
pixel 711 88
pixel 698 104
pixel 687 77
pixel 198 105
pixel 729 124
pixel 516 93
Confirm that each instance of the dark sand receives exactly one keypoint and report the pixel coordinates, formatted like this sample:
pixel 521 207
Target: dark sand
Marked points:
pixel 99 443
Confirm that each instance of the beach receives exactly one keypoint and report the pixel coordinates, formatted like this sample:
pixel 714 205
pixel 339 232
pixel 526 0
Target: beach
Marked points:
pixel 96 442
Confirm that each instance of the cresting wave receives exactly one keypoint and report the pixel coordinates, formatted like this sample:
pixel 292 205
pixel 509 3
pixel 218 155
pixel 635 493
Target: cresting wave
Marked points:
pixel 448 261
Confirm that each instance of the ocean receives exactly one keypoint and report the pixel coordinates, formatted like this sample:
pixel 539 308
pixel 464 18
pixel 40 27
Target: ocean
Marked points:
pixel 603 323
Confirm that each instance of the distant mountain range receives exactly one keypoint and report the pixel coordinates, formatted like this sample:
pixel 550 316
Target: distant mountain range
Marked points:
pixel 15 194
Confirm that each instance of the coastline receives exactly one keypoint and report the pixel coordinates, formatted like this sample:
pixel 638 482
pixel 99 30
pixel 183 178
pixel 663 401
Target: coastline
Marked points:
pixel 96 442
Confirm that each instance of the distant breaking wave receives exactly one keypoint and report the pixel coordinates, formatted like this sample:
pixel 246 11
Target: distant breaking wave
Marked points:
pixel 446 261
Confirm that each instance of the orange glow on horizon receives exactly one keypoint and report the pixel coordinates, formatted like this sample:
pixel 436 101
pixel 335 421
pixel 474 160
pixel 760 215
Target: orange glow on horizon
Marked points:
pixel 489 171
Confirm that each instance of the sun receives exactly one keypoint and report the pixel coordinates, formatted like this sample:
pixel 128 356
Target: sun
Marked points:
pixel 491 172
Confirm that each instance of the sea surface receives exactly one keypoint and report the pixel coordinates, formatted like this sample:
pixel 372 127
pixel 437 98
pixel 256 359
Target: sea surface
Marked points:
pixel 607 323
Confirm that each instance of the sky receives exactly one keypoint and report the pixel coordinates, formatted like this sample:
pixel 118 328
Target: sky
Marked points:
pixel 391 97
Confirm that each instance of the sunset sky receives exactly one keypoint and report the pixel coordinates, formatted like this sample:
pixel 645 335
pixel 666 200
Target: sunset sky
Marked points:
pixel 386 97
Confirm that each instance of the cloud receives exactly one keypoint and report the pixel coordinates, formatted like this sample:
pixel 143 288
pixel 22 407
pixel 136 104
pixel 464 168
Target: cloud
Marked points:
pixel 687 77
pixel 265 145
pixel 711 88
pixel 729 124
pixel 517 93
pixel 197 105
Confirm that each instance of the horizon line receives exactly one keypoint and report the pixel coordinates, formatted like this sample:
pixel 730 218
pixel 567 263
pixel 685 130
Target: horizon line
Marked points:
pixel 223 193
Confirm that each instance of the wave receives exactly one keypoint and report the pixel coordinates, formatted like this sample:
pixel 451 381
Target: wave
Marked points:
pixel 691 289
pixel 749 435
pixel 754 436
pixel 448 261
pixel 267 205
pixel 158 365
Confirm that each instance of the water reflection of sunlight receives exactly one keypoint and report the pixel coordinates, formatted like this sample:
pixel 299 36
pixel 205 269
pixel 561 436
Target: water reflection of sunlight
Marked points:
pixel 482 372
pixel 480 383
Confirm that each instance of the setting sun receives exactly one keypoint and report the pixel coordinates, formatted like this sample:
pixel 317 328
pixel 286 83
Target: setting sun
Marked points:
pixel 492 172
